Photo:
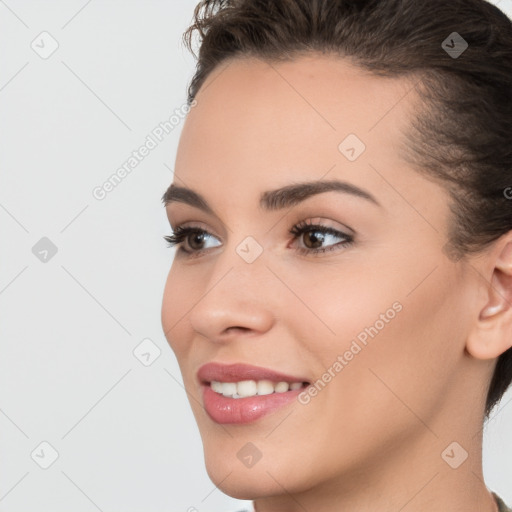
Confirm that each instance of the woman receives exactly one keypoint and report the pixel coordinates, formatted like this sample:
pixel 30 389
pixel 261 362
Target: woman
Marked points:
pixel 339 303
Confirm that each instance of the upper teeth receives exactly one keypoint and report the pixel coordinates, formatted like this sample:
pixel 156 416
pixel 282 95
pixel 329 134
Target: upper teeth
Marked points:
pixel 247 388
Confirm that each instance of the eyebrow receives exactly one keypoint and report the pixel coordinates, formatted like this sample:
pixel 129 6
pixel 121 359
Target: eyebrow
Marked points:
pixel 271 200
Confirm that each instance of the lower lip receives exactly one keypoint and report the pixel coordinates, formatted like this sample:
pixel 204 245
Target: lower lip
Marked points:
pixel 223 409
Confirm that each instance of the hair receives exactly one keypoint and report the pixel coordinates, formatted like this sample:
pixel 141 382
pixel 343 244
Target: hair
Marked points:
pixel 461 133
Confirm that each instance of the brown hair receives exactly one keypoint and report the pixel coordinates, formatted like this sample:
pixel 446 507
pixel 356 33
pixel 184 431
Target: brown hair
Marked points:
pixel 462 131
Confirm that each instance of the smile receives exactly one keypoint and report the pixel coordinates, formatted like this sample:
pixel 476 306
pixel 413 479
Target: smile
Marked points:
pixel 247 388
pixel 241 393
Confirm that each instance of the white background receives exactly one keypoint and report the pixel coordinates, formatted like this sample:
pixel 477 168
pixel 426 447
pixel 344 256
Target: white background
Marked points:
pixel 125 436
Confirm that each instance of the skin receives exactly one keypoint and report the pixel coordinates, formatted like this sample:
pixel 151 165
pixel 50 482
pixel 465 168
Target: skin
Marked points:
pixel 372 438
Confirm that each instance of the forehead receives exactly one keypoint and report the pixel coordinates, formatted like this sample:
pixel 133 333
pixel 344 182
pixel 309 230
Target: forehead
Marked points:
pixel 268 124
pixel 315 85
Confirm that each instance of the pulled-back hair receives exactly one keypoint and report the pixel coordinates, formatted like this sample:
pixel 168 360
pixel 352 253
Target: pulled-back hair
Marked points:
pixel 461 134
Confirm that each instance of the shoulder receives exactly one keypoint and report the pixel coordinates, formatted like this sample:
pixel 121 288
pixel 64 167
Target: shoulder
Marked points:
pixel 501 504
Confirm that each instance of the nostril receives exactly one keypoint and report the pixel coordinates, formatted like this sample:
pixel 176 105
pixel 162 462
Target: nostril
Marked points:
pixel 228 330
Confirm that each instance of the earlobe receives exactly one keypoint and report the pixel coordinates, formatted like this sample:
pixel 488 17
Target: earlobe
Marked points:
pixel 492 332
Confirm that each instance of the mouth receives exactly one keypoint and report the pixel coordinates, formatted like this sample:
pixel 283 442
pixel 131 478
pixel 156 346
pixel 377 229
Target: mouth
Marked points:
pixel 240 393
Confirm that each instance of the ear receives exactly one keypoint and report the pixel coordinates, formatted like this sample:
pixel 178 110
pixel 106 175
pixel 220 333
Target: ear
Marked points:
pixel 492 333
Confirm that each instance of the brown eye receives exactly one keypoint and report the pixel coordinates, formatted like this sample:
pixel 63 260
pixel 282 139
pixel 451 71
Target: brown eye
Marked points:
pixel 312 240
pixel 195 238
pixel 314 236
pixel 192 236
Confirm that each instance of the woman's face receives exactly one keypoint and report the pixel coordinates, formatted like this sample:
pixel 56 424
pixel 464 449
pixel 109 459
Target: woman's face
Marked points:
pixel 376 323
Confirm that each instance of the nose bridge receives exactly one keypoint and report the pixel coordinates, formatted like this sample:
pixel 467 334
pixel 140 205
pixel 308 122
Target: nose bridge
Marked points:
pixel 242 265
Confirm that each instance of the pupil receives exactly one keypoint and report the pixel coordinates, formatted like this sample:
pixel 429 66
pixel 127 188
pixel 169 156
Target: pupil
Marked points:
pixel 316 240
pixel 197 237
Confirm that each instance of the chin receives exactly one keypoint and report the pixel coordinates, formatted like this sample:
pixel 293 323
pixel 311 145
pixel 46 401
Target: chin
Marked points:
pixel 267 477
pixel 243 483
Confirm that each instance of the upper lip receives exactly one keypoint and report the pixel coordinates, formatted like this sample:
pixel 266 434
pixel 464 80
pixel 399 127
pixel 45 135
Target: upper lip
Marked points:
pixel 239 371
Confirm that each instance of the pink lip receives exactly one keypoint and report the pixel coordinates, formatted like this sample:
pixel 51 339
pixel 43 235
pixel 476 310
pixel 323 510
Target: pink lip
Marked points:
pixel 239 371
pixel 223 409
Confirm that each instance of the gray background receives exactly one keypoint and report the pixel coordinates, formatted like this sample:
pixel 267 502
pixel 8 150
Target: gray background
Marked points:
pixel 70 321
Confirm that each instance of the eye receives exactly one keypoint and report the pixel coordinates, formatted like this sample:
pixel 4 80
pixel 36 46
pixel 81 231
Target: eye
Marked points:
pixel 313 242
pixel 317 235
pixel 184 234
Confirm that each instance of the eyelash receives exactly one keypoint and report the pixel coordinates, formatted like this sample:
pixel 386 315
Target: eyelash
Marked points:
pixel 181 233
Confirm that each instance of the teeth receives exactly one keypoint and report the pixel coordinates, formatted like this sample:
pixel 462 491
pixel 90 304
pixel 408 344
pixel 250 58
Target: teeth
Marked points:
pixel 281 387
pixel 216 386
pixel 265 387
pixel 229 388
pixel 247 388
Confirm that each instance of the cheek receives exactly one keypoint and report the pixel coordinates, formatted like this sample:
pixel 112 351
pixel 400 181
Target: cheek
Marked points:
pixel 400 344
pixel 400 325
pixel 405 363
pixel 341 304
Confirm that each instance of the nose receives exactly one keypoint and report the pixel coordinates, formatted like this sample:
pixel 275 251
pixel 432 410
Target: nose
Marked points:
pixel 236 300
